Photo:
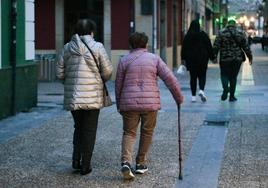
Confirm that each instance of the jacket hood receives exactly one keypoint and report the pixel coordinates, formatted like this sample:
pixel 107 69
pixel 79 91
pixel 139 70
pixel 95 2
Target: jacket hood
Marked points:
pixel 194 27
pixel 76 46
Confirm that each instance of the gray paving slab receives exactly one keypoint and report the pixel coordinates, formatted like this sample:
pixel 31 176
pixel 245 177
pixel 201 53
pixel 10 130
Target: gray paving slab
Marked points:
pixel 203 165
pixel 246 153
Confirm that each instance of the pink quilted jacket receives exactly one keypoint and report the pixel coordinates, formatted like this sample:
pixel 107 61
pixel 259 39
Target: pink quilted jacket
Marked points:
pixel 136 85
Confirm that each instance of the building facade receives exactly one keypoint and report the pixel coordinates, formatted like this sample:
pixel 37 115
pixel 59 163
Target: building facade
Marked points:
pixel 18 72
pixel 161 20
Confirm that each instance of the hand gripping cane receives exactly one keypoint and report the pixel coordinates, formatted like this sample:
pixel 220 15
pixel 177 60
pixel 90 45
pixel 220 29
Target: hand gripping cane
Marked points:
pixel 179 141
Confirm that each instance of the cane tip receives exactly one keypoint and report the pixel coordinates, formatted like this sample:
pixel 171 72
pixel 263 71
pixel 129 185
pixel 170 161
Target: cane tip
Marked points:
pixel 180 177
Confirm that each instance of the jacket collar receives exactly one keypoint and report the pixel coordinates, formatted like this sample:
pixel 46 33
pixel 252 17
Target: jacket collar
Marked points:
pixel 138 50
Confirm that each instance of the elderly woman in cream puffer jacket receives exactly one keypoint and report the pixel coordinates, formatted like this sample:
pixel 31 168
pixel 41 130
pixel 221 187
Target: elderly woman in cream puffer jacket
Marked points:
pixel 83 89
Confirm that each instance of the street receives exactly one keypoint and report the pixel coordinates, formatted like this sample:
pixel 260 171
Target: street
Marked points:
pixel 225 144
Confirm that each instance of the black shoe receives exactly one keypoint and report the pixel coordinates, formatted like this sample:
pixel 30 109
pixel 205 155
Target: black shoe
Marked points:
pixel 141 169
pixel 85 170
pixel 127 171
pixel 76 158
pixel 85 164
pixel 76 164
pixel 232 99
pixel 224 96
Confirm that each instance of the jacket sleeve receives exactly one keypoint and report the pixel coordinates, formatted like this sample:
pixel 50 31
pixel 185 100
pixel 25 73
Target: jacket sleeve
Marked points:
pixel 119 81
pixel 170 80
pixel 246 47
pixel 209 46
pixel 217 45
pixel 60 66
pixel 105 63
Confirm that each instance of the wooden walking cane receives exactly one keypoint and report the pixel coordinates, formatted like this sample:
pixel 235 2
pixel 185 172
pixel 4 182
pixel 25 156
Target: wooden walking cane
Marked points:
pixel 179 140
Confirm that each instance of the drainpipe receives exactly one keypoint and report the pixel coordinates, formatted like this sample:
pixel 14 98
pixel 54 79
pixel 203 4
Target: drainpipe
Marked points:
pixel 13 21
pixel 154 26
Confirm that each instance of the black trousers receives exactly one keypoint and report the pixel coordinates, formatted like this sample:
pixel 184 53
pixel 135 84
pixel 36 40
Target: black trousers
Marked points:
pixel 200 75
pixel 85 129
pixel 229 73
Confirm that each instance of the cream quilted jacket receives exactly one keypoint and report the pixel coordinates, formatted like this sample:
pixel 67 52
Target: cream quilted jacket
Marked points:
pixel 83 87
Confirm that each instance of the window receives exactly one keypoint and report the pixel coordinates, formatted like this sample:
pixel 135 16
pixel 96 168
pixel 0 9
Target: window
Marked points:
pixel 29 30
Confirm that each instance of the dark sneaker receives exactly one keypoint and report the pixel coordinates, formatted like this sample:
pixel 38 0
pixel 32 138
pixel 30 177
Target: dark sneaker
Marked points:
pixel 141 169
pixel 232 99
pixel 224 96
pixel 76 164
pixel 127 171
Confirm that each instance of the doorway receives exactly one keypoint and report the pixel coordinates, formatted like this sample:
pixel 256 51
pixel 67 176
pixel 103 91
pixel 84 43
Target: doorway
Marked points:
pixel 74 10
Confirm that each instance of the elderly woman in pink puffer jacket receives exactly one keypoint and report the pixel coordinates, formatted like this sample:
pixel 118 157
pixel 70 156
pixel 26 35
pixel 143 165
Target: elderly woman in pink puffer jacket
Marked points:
pixel 138 99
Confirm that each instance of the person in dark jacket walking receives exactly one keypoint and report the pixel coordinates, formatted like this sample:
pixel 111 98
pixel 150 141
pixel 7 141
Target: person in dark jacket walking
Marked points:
pixel 83 89
pixel 138 99
pixel 195 53
pixel 231 43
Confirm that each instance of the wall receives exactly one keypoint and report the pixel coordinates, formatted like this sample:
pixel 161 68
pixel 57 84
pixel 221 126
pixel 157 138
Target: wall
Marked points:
pixel 45 26
pixel 26 87
pixel 144 23
pixel 0 34
pixel 107 26
pixel 59 24
pixel 26 70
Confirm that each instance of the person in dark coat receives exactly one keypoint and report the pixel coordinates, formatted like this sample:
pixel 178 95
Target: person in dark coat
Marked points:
pixel 195 53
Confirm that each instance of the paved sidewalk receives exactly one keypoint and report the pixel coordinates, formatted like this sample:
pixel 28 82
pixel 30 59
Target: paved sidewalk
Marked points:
pixel 40 155
pixel 245 156
pixel 36 147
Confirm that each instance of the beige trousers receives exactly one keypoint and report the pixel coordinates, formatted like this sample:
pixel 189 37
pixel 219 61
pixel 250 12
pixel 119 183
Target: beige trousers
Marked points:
pixel 131 120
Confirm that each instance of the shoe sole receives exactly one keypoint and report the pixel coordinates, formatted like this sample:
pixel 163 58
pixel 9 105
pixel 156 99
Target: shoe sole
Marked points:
pixel 141 171
pixel 127 174
pixel 203 98
pixel 232 100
